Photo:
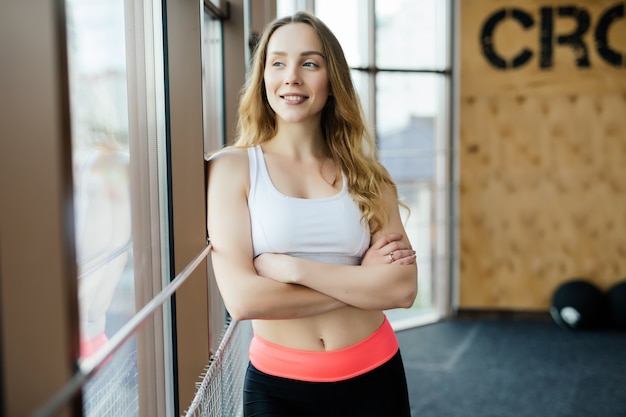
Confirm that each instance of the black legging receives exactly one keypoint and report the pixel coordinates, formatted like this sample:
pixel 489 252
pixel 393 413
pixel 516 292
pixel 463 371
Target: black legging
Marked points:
pixel 381 392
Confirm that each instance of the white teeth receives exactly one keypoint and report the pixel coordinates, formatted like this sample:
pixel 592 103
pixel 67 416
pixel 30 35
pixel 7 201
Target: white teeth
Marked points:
pixel 293 98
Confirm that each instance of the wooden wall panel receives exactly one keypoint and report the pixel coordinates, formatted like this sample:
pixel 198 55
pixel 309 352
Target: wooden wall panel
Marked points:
pixel 542 159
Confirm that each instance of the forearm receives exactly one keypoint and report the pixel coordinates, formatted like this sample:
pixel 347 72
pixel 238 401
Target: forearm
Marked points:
pixel 271 300
pixel 250 296
pixel 372 287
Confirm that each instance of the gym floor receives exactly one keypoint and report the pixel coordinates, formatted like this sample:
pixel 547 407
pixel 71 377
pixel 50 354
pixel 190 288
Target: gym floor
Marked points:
pixel 516 368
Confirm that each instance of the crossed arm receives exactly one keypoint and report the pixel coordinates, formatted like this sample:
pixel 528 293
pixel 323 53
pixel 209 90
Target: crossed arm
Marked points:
pixel 370 287
pixel 275 286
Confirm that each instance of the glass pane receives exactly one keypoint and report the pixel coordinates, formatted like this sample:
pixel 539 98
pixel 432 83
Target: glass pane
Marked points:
pixel 101 155
pixel 409 116
pixel 411 34
pixel 348 21
pixel 361 84
pixel 286 7
pixel 117 148
pixel 213 83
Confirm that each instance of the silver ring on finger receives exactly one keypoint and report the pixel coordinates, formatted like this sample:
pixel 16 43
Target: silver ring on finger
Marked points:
pixel 391 258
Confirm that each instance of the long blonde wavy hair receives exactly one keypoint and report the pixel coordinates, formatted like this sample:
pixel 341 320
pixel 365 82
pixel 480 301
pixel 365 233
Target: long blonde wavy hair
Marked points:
pixel 348 141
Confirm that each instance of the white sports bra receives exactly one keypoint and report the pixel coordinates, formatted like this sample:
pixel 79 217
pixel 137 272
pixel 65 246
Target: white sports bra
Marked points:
pixel 326 229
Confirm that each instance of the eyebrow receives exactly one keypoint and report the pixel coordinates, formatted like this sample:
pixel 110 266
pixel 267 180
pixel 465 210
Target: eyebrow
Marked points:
pixel 304 53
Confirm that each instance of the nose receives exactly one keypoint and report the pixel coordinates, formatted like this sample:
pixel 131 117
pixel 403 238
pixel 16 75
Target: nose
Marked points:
pixel 292 76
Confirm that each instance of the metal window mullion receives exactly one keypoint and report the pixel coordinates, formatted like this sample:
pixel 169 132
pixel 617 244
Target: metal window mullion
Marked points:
pixel 454 62
pixel 371 62
pixel 149 207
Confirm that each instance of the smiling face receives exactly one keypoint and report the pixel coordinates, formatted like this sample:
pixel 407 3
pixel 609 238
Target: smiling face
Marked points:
pixel 296 77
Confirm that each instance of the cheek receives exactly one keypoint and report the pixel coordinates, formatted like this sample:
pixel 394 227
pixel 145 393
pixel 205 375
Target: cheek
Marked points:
pixel 270 80
pixel 268 97
pixel 268 88
pixel 323 88
pixel 323 85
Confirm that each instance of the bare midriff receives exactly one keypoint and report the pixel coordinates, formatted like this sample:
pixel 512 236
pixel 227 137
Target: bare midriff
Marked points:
pixel 333 330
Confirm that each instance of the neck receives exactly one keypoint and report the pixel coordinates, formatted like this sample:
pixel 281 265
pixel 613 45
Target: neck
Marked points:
pixel 300 139
pixel 304 143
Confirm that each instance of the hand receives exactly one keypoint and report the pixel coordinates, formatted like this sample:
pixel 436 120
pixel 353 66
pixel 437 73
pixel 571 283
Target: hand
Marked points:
pixel 276 266
pixel 389 249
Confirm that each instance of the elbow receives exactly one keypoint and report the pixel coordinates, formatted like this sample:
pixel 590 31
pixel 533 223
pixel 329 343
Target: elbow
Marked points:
pixel 236 313
pixel 407 297
pixel 407 292
pixel 239 311
pixel 249 309
pixel 241 314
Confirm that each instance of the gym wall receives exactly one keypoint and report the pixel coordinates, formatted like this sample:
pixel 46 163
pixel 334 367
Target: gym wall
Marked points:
pixel 542 149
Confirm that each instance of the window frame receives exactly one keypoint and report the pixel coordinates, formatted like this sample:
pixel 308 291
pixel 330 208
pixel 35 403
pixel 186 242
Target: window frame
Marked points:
pixel 36 174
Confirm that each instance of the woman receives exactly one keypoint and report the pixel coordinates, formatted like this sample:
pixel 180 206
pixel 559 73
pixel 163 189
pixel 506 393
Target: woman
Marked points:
pixel 306 235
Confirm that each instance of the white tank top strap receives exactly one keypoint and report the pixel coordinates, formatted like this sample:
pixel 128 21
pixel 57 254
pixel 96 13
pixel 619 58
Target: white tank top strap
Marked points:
pixel 253 158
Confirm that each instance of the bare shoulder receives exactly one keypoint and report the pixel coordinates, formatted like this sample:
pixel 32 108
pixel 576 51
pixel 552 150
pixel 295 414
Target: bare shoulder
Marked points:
pixel 229 168
pixel 229 156
pixel 229 163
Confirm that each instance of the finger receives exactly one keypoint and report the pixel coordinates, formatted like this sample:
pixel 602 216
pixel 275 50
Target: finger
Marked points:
pixel 404 257
pixel 407 260
pixel 403 253
pixel 409 255
pixel 397 245
pixel 399 254
pixel 384 240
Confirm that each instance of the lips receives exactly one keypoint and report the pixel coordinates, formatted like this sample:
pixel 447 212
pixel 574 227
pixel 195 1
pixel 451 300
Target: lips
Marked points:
pixel 294 98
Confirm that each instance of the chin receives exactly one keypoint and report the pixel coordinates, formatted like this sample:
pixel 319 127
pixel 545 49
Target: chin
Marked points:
pixel 294 119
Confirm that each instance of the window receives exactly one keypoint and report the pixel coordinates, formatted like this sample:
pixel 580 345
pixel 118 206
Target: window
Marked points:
pixel 399 54
pixel 412 112
pixel 118 152
pixel 119 113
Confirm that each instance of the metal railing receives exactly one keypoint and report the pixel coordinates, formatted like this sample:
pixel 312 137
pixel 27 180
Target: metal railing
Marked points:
pixel 88 366
pixel 219 394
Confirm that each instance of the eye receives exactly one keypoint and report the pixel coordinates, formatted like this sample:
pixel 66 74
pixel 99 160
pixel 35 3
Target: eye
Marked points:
pixel 277 64
pixel 310 64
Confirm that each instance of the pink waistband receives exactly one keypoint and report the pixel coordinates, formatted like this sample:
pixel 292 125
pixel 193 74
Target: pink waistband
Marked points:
pixel 325 366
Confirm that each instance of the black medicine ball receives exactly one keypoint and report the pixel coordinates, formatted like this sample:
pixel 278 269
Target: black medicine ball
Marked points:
pixel 616 297
pixel 578 304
